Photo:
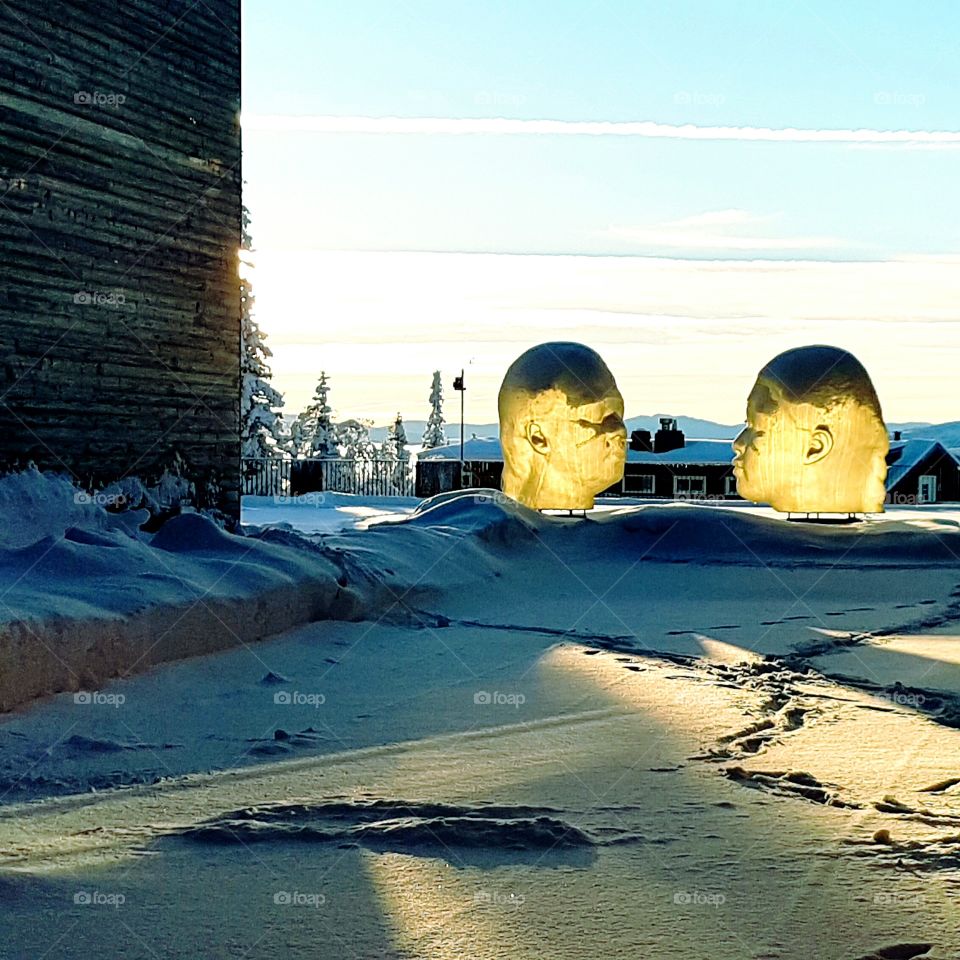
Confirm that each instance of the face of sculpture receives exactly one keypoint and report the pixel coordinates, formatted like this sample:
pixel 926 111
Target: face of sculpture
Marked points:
pixel 561 427
pixel 814 441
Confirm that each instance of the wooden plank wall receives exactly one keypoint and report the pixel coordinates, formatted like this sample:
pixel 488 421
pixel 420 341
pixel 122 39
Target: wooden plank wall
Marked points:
pixel 120 193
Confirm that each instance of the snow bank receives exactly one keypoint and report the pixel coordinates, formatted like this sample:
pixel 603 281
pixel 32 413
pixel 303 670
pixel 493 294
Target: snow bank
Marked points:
pixel 87 595
pixel 680 532
pixel 321 512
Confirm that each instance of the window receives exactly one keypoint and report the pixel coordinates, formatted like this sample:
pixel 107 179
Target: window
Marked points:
pixel 639 483
pixel 730 486
pixel 689 486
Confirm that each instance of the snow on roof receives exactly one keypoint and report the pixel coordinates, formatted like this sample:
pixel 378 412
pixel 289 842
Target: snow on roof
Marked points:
pixel 904 455
pixel 695 451
pixel 476 448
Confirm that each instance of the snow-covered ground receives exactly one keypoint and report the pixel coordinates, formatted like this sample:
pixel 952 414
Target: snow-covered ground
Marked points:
pixel 88 595
pixel 665 730
pixel 313 513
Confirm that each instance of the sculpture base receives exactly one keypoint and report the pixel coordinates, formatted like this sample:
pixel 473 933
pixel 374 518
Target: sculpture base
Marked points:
pixel 820 518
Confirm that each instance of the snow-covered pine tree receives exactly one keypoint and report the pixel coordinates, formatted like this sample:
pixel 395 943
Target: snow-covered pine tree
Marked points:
pixel 396 453
pixel 295 441
pixel 355 442
pixel 261 427
pixel 313 433
pixel 323 443
pixel 433 435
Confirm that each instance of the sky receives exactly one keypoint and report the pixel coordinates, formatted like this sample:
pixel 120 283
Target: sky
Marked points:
pixel 689 187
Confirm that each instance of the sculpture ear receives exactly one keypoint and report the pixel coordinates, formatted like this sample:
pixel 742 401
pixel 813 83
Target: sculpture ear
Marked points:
pixel 537 439
pixel 821 443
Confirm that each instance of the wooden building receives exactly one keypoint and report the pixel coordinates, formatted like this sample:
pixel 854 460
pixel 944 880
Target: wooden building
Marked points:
pixel 694 470
pixel 921 471
pixel 674 468
pixel 120 217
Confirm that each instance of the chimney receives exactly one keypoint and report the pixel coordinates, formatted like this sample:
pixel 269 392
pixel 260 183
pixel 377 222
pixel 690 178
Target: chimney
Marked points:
pixel 897 435
pixel 668 437
pixel 641 440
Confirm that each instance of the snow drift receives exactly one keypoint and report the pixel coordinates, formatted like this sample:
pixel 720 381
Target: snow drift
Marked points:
pixel 87 595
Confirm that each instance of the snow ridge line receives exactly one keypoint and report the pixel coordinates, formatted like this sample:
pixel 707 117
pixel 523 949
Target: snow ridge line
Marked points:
pixel 58 654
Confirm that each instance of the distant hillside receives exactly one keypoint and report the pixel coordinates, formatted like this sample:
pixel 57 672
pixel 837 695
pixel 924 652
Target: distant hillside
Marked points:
pixel 691 426
pixel 947 433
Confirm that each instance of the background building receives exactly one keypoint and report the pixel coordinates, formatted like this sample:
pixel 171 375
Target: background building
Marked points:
pixel 921 471
pixel 665 465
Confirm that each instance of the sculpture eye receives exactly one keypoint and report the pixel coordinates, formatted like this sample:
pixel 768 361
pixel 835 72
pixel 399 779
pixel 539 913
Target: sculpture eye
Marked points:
pixel 612 422
pixel 608 425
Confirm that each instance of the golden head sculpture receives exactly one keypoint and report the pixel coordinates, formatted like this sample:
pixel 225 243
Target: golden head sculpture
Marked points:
pixel 561 427
pixel 815 440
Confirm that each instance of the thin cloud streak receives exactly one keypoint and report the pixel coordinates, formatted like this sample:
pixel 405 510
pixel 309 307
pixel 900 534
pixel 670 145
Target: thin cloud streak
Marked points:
pixel 312 123
pixel 704 240
pixel 716 230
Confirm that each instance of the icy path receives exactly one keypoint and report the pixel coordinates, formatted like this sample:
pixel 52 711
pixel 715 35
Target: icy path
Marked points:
pixel 625 753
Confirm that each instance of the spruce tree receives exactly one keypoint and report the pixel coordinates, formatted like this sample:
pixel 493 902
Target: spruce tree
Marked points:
pixel 433 435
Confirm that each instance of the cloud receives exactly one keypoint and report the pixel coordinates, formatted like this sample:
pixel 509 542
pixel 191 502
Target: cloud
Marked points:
pixel 718 218
pixel 315 123
pixel 716 230
pixel 688 334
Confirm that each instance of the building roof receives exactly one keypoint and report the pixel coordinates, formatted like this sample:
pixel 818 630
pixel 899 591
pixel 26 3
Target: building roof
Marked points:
pixel 905 455
pixel 695 451
pixel 692 452
pixel 476 448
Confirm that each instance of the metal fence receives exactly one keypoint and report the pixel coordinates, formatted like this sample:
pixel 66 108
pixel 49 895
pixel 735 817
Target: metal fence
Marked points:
pixel 265 476
pixel 274 477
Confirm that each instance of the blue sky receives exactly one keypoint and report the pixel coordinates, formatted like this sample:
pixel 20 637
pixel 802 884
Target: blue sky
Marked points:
pixel 695 194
